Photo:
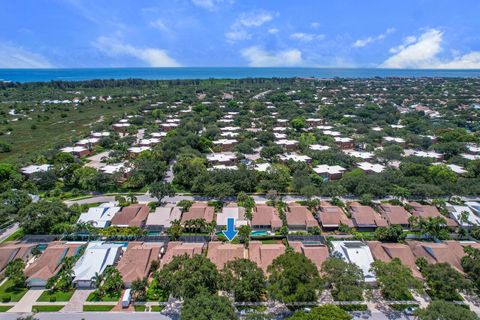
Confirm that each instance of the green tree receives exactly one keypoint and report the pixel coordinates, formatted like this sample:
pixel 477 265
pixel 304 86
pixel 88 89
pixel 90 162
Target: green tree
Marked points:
pixel 471 265
pixel 392 233
pixel 161 190
pixel 244 279
pixel 205 306
pixel 293 278
pixel 14 271
pixel 298 123
pixel 139 289
pixel 325 312
pixel 244 234
pixel 345 279
pixel 442 310
pixel 185 277
pixel 42 216
pixel 395 279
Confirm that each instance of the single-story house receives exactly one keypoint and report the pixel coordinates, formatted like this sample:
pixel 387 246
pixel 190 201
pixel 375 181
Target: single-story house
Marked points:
pixel 395 215
pixel 231 211
pixel 264 254
pixel 364 217
pixel 317 253
pixel 177 248
pixel 331 217
pixel 427 211
pixel 100 216
pixel 135 215
pixel 137 259
pixel 221 253
pixel 199 210
pixel 358 253
pixel 14 250
pixel 450 252
pixel 163 217
pixel 299 217
pixel 386 252
pixel 265 218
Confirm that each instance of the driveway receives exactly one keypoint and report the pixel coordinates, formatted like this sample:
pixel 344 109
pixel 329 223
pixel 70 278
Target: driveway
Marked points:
pixel 28 300
pixel 76 301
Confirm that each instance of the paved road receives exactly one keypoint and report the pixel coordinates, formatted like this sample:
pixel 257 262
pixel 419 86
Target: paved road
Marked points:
pixel 9 231
pixel 88 316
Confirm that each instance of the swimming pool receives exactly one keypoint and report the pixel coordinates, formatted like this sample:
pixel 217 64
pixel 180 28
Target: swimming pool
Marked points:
pixel 259 233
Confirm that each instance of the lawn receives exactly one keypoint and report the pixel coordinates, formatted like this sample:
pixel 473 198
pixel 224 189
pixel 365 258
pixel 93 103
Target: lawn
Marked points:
pixel 46 308
pixel 140 308
pixel 96 308
pixel 107 298
pixel 51 296
pixel 17 235
pixel 157 308
pixel 8 290
pixel 4 308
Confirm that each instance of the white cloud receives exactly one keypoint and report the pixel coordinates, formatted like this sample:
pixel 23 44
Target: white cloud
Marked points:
pixel 315 25
pixel 306 37
pixel 237 35
pixel 360 43
pixel 239 29
pixel 211 5
pixel 258 57
pixel 18 57
pixel 152 56
pixel 254 19
pixel 160 25
pixel 273 30
pixel 422 52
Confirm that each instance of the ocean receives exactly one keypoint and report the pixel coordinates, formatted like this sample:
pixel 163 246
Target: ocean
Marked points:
pixel 42 75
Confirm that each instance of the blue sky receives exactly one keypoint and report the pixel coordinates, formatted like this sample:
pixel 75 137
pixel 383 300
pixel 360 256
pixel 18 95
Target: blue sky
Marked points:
pixel 259 33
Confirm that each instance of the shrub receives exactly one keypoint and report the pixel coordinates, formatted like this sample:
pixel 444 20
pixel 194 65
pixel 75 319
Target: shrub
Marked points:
pixel 6 298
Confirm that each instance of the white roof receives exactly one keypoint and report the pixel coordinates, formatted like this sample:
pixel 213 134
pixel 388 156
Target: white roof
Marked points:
pixel 148 142
pixel 324 168
pixel 224 141
pixel 100 216
pixel 138 149
pixel 319 147
pixel 331 133
pixel 121 125
pixel 158 134
pixel 230 212
pixel 229 134
pixel 473 148
pixel 471 156
pixel 295 157
pixel 73 149
pixel 98 256
pixel 358 253
pixel 114 168
pixel 262 166
pixel 100 134
pixel 341 139
pixel 423 154
pixel 323 127
pixel 87 141
pixel 373 167
pixel 163 216
pixel 222 167
pixel 359 154
pixel 279 135
pixel 474 205
pixel 394 139
pixel 221 157
pixel 230 128
pixel 455 212
pixel 34 168
pixel 286 142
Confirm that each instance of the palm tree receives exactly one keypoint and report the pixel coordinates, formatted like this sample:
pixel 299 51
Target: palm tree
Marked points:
pixel 131 197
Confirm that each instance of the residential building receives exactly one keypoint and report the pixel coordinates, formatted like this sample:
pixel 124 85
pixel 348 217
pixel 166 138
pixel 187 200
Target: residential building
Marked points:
pixel 101 216
pixel 386 252
pixel 450 252
pixel 295 157
pixel 176 248
pixel 365 218
pixel 97 257
pixel 225 144
pixel 199 210
pixel 459 213
pixel 427 211
pixel 77 151
pixel 135 215
pixel 137 260
pixel 50 262
pixel 370 167
pixel 329 172
pixel 220 253
pixel 265 218
pixel 14 250
pixel 395 215
pixel 332 217
pixel 231 211
pixel 163 217
pixel 299 217
pixel 29 170
pixel 264 254
pixel 344 143
pixel 316 252
pixel 358 253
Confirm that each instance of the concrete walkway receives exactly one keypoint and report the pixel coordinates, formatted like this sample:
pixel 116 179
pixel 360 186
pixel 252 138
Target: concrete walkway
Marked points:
pixel 77 300
pixel 28 300
pixel 9 231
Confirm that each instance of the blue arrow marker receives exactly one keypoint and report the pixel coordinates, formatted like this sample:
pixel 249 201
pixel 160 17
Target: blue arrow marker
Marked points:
pixel 230 233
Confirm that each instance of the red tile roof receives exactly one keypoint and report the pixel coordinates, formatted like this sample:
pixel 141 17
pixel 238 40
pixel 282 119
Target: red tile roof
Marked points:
pixel 298 215
pixel 199 211
pixel 365 216
pixel 316 253
pixel 220 253
pixel 386 252
pixel 394 214
pixel 134 215
pixel 332 216
pixel 175 248
pixel 426 211
pixel 264 254
pixel 135 263
pixel 264 215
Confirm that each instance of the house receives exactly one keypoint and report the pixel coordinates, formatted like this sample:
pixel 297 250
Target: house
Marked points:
pixel 199 210
pixel 289 145
pixel 165 127
pixel 394 140
pixel 149 142
pixel 395 215
pixel 137 260
pixel 225 144
pixel 225 158
pixel 121 127
pixel 329 173
pixel 122 168
pixel 231 211
pixel 299 217
pixel 265 218
pixel 474 206
pixel 359 154
pixel 450 252
pixel 101 216
pixel 386 252
pixel 135 215
pixel 97 257
pixel 459 213
pixel 332 217
pixel 295 157
pixel 220 253
pixel 163 217
pixel 176 248
pixel 88 142
pixel 365 218
pixel 29 170
pixel 50 262
pixel 318 147
pixel 317 253
pixel 264 254
pixel 135 151
pixel 14 250
pixel 77 151
pixel 427 211
pixel 370 167
pixel 358 253
pixel 344 143
pixel 424 154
